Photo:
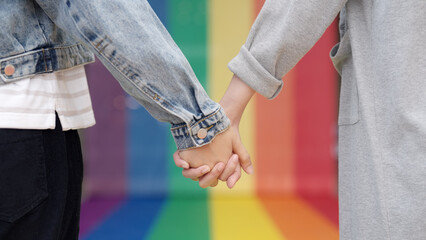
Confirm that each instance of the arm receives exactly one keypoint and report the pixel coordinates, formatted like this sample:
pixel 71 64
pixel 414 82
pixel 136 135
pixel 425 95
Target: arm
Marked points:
pixel 233 102
pixel 284 31
pixel 282 34
pixel 132 43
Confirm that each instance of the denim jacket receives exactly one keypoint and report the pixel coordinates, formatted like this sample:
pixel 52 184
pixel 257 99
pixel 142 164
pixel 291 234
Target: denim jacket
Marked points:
pixel 43 36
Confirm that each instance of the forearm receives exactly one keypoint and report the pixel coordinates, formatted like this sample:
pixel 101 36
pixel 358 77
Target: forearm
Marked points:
pixel 284 31
pixel 133 44
pixel 236 98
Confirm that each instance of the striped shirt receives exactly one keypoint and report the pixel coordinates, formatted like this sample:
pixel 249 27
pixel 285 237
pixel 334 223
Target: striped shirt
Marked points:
pixel 31 103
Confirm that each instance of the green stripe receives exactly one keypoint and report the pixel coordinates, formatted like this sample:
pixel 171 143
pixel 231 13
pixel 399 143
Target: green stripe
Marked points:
pixel 188 26
pixel 185 215
pixel 182 218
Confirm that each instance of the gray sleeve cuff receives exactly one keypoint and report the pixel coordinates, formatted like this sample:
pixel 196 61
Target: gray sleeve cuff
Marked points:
pixel 249 70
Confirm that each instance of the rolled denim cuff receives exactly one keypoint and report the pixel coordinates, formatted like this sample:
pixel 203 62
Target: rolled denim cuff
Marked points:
pixel 200 132
pixel 250 71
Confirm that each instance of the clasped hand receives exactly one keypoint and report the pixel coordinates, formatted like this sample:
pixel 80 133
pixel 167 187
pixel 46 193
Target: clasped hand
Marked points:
pixel 220 160
pixel 224 157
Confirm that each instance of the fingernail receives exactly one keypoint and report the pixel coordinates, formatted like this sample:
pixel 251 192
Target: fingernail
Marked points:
pixel 231 184
pixel 185 165
pixel 250 169
pixel 205 170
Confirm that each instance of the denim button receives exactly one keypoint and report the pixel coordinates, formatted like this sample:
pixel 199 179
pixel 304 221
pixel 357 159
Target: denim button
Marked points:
pixel 202 133
pixel 9 70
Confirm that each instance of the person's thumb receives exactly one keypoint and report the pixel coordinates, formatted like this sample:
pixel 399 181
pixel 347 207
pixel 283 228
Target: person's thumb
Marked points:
pixel 243 155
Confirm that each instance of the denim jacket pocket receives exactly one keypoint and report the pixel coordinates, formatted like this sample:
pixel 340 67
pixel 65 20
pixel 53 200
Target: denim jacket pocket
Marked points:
pixel 341 55
pixel 23 184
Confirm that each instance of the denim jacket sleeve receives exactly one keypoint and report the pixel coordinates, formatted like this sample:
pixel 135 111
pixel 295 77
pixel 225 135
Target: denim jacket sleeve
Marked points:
pixel 136 48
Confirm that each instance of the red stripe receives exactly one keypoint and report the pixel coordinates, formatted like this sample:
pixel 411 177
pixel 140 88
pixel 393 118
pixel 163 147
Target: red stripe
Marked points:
pixel 315 117
pixel 275 139
pixel 327 205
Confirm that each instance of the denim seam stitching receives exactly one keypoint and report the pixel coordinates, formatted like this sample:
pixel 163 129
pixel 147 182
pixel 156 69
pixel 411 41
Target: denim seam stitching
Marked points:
pixel 206 117
pixel 219 132
pixel 36 51
pixel 124 75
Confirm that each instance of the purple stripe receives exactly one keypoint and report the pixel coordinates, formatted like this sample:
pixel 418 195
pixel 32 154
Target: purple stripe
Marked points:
pixel 105 143
pixel 95 210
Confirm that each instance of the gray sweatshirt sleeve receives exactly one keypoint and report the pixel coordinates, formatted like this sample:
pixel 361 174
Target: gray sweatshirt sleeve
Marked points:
pixel 284 31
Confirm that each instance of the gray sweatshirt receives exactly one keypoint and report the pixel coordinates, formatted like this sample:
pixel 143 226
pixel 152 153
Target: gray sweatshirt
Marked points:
pixel 382 117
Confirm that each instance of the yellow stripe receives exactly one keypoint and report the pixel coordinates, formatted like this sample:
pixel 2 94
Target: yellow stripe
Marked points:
pixel 241 218
pixel 229 24
pixel 233 217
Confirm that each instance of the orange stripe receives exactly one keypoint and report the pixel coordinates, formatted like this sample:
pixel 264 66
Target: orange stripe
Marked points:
pixel 258 6
pixel 298 220
pixel 275 141
pixel 275 138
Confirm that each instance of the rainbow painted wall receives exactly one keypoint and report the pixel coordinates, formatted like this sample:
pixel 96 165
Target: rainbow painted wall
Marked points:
pixel 132 189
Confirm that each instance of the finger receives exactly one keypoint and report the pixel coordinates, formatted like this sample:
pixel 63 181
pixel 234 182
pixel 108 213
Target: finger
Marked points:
pixel 233 179
pixel 195 172
pixel 230 167
pixel 244 156
pixel 179 161
pixel 212 176
pixel 214 184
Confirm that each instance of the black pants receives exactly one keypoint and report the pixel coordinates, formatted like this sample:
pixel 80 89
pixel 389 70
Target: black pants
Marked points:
pixel 41 174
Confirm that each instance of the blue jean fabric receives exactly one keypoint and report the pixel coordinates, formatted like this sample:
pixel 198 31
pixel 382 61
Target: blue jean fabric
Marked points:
pixel 43 36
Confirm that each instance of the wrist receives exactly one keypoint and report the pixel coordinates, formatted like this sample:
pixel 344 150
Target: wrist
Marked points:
pixel 236 99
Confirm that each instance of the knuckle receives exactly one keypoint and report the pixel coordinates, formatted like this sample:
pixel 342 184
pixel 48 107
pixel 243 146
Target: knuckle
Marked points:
pixel 216 172
pixel 234 164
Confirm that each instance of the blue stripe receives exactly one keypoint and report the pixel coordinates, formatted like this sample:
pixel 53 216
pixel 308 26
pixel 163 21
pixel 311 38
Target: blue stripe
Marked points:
pixel 160 8
pixel 147 142
pixel 132 221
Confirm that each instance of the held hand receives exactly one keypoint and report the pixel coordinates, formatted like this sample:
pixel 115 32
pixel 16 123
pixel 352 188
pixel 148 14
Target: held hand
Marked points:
pixel 231 174
pixel 195 168
pixel 234 102
pixel 210 156
pixel 219 150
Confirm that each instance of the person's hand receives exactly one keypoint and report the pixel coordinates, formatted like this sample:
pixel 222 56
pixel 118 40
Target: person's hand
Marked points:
pixel 219 150
pixel 231 174
pixel 211 155
pixel 234 102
